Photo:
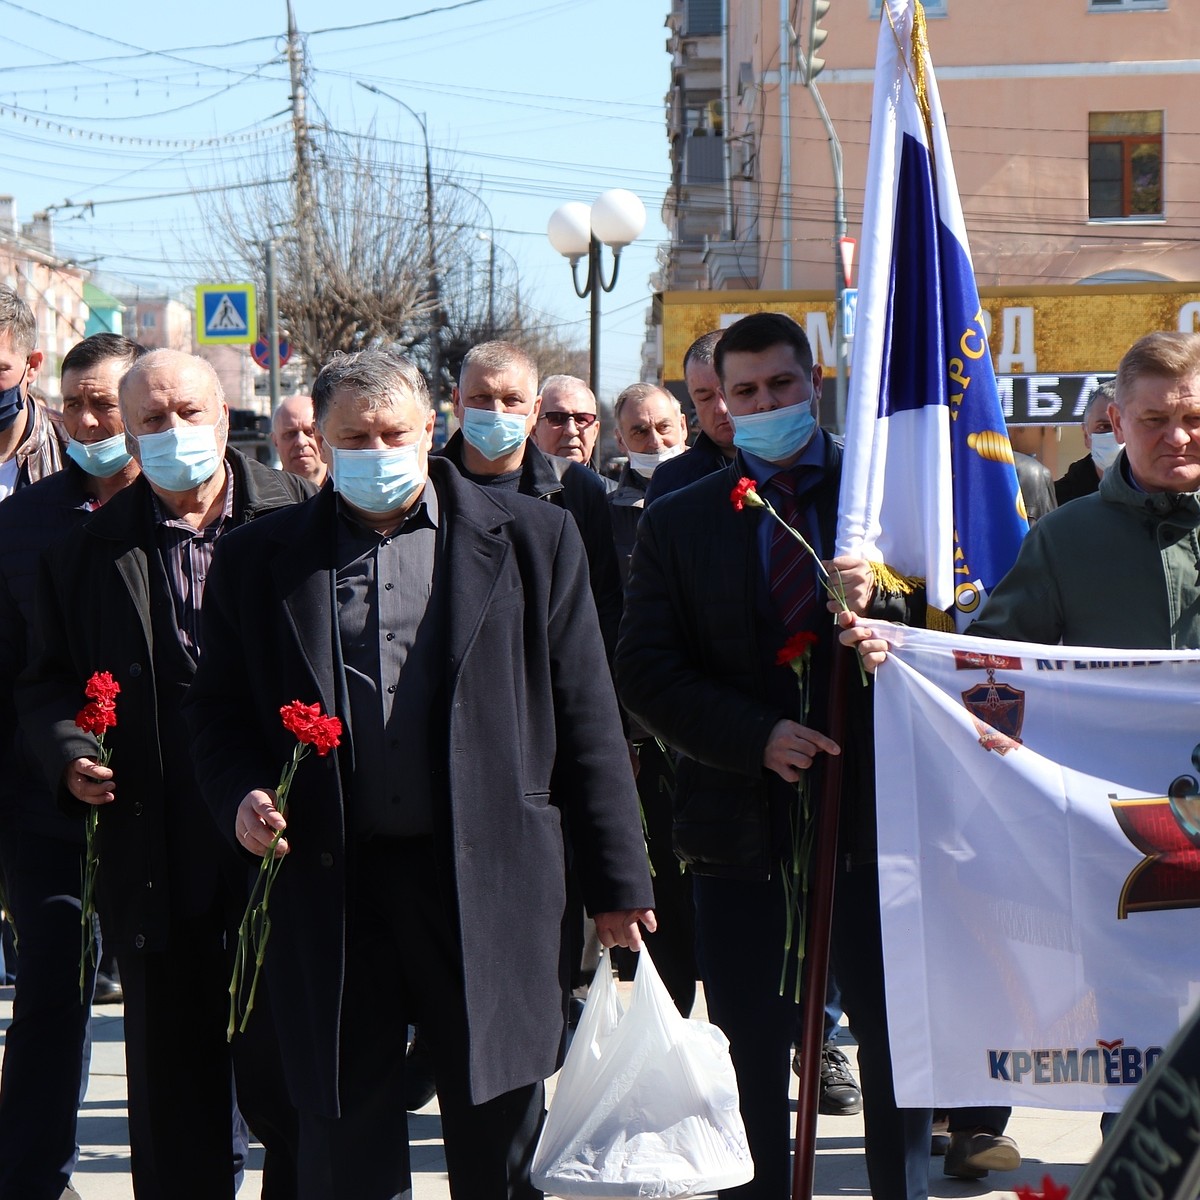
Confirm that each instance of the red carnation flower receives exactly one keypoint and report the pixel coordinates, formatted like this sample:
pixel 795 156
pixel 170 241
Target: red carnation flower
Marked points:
pixel 745 493
pixel 103 688
pixel 797 646
pixel 95 718
pixel 310 727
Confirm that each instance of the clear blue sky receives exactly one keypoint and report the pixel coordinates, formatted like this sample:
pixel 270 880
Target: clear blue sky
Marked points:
pixel 528 102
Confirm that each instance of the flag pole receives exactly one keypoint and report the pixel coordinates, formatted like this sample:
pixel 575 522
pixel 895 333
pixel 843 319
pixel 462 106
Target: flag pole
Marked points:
pixel 819 919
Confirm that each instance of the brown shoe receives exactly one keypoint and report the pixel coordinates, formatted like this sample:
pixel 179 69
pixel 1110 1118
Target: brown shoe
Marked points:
pixel 972 1155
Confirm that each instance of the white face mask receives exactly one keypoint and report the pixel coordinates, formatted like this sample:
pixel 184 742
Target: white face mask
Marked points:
pixel 644 464
pixel 1105 448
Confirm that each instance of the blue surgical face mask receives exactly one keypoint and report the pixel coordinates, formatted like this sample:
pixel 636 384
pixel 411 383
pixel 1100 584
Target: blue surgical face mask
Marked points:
pixel 180 458
pixel 494 434
pixel 777 435
pixel 12 400
pixel 100 459
pixel 378 481
pixel 1105 449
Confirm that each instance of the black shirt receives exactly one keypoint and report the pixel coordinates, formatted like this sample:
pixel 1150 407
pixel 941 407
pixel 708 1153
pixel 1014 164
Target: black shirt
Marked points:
pixel 392 627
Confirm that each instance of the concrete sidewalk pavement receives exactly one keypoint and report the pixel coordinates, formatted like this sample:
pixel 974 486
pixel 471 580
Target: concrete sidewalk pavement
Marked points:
pixel 1054 1143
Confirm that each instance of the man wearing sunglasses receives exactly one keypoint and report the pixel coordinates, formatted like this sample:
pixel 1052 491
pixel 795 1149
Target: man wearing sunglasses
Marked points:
pixel 568 423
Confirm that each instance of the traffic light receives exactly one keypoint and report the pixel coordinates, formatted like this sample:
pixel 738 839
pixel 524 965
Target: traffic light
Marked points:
pixel 816 38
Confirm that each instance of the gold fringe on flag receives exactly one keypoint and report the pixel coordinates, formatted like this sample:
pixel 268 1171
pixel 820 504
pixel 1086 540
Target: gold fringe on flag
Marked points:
pixel 892 582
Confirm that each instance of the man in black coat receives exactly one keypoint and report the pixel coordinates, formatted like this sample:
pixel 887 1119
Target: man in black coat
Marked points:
pixel 714 595
pixel 497 404
pixel 47 1047
pixel 452 631
pixel 123 593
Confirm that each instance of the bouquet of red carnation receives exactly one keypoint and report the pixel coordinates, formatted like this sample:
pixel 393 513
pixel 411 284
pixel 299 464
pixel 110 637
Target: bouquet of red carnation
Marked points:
pixel 96 717
pixel 323 734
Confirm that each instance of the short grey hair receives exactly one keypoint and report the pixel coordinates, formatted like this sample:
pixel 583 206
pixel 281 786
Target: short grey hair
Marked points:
pixel 17 320
pixel 154 359
pixel 1162 355
pixel 379 376
pixel 1105 395
pixel 553 383
pixel 640 391
pixel 497 356
pixel 279 408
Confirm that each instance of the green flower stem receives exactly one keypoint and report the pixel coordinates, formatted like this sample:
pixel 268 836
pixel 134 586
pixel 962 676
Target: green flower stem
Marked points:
pixel 835 588
pixel 87 890
pixel 255 928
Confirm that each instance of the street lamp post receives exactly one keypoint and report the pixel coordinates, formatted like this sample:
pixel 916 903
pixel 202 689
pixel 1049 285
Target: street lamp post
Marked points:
pixel 490 238
pixel 435 291
pixel 615 219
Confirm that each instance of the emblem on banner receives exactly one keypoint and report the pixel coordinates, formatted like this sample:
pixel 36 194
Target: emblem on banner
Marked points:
pixel 1166 829
pixel 998 709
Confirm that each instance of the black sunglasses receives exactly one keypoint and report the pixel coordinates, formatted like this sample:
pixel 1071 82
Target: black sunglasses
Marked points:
pixel 559 419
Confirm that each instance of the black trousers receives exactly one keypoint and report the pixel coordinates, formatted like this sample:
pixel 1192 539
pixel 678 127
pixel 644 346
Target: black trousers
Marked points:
pixel 673 945
pixel 183 1109
pixel 404 966
pixel 47 1047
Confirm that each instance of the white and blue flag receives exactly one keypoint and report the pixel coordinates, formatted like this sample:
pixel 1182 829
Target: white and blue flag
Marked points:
pixel 929 488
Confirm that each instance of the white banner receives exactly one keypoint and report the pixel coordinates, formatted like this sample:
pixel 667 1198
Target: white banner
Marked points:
pixel 1039 845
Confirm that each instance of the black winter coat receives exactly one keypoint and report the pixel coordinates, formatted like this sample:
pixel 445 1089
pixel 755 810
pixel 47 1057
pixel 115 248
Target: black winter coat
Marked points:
pixel 584 494
pixel 31 520
pixel 532 746
pixel 158 858
pixel 693 668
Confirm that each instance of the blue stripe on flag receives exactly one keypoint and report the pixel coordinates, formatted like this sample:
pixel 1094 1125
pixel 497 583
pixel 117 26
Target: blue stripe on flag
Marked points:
pixel 913 370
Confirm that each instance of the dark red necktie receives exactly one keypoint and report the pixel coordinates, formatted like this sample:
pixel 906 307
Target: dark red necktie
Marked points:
pixel 792 571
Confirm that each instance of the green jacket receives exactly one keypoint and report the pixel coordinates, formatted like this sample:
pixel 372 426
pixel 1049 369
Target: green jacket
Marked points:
pixel 1119 568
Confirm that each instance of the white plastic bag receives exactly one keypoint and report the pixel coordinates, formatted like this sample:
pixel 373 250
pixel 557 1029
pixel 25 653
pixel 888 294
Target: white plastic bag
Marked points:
pixel 647 1102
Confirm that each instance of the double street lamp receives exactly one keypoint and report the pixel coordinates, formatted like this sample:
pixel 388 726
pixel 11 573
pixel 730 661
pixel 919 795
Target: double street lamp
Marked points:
pixel 615 219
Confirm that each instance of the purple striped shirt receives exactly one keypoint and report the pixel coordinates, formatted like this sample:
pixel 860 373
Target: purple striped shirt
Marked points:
pixel 187 555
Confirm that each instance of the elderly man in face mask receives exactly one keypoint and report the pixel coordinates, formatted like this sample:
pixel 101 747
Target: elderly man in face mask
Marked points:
pixel 123 593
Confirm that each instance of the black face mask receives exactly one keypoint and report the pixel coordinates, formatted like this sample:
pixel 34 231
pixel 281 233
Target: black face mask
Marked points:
pixel 11 402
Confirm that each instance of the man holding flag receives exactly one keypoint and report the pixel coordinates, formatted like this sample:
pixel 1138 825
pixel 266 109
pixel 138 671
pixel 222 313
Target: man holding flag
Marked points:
pixel 716 594
pixel 929 491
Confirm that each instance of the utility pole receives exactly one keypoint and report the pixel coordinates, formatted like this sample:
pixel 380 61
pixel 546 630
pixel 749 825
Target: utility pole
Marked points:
pixel 785 145
pixel 272 325
pixel 303 193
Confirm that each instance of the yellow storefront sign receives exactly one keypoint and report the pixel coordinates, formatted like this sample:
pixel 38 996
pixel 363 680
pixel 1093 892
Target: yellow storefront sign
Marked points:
pixel 1031 330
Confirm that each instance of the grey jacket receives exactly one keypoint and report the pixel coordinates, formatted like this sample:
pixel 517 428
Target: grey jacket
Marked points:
pixel 1119 568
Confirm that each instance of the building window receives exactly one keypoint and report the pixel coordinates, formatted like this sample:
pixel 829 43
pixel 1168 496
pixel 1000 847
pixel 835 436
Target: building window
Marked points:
pixel 933 8
pixel 1123 5
pixel 148 320
pixel 703 18
pixel 1125 165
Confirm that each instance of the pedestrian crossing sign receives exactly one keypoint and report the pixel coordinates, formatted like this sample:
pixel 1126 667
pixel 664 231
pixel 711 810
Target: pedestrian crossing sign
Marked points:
pixel 225 314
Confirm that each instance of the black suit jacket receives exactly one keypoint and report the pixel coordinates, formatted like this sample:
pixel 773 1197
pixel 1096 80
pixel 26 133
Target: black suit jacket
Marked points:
pixel 528 712
pixel 95 590
pixel 695 665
